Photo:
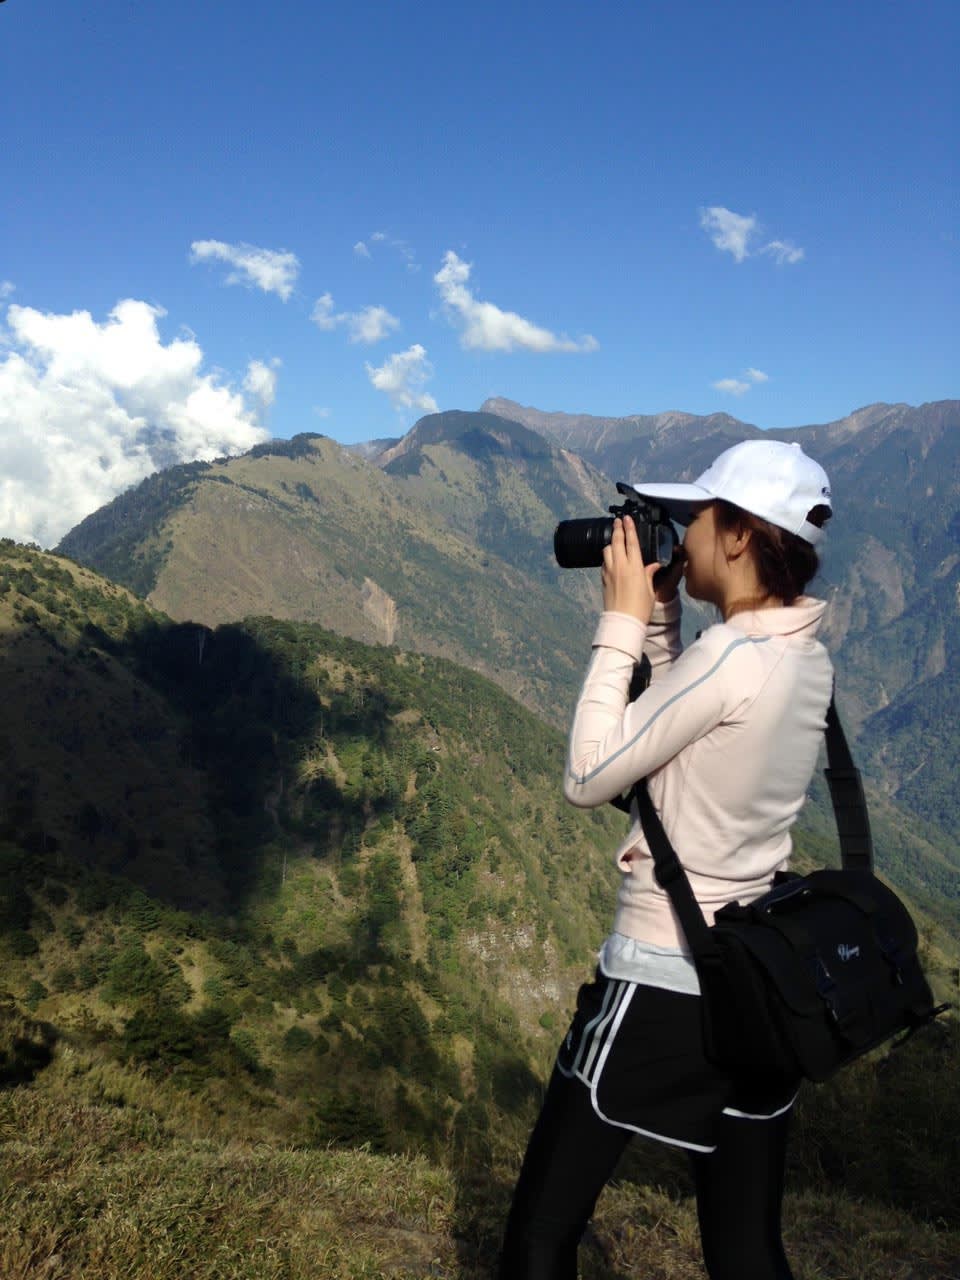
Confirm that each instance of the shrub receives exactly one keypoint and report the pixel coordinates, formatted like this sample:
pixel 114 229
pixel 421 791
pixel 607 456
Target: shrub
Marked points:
pixel 214 989
pixel 132 974
pixel 22 943
pixel 64 978
pixel 159 1038
pixel 35 992
pixel 297 1039
pixel 55 894
pixel 73 933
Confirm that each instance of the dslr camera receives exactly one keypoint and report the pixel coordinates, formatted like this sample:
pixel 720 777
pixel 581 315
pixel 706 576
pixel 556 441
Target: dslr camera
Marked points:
pixel 578 544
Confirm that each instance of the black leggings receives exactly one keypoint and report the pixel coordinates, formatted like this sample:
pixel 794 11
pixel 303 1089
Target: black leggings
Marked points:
pixel 571 1155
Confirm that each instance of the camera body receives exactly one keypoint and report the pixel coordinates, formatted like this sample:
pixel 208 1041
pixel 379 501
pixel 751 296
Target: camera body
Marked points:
pixel 579 544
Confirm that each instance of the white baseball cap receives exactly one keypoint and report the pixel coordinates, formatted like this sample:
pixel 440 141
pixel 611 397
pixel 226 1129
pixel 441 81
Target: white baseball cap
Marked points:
pixel 768 478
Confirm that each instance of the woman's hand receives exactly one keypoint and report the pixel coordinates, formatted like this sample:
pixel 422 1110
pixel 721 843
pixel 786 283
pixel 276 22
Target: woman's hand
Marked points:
pixel 667 578
pixel 627 581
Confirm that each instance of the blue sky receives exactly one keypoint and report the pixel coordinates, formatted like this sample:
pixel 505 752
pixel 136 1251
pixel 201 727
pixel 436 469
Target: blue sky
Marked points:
pixel 221 221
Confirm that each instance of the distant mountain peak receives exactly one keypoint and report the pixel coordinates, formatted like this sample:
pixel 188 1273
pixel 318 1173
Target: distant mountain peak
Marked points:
pixel 474 432
pixel 573 430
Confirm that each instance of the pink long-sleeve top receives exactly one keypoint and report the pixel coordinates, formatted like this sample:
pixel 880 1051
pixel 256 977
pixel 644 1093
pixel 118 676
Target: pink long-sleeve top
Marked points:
pixel 727 732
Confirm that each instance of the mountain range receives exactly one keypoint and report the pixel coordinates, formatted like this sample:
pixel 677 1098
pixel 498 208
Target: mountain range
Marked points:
pixel 891 567
pixel 300 881
pixel 441 542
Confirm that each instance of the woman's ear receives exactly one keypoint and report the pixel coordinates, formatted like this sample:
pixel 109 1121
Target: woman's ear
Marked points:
pixel 736 540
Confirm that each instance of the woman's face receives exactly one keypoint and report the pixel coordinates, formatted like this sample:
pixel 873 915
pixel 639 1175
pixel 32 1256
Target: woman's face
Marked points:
pixel 706 560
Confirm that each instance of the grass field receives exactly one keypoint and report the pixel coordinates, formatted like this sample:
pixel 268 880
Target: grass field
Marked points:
pixel 116 1189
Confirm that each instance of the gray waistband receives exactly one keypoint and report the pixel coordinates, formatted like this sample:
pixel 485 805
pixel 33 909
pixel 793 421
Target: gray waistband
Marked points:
pixel 630 960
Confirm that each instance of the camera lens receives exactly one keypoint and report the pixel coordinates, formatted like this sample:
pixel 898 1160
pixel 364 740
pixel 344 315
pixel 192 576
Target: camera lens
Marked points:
pixel 578 544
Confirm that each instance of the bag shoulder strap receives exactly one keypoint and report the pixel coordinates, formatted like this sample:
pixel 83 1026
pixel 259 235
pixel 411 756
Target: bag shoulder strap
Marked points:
pixel 846 795
pixel 850 811
pixel 671 877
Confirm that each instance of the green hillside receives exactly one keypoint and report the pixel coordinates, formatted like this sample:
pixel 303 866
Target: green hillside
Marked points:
pixel 304 529
pixel 282 896
pixel 445 547
pixel 358 879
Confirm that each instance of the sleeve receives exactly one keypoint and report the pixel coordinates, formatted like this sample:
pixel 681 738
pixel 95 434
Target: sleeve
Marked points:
pixel 614 742
pixel 661 645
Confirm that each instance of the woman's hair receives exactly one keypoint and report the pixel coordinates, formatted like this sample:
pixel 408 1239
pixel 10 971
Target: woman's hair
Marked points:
pixel 785 562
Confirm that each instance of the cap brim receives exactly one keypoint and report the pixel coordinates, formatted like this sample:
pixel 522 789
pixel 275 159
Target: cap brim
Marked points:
pixel 682 501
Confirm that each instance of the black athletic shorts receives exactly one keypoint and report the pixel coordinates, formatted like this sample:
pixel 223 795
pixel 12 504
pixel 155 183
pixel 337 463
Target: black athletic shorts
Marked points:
pixel 639 1050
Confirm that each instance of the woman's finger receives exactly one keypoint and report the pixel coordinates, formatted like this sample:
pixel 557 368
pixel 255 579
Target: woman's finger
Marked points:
pixel 631 541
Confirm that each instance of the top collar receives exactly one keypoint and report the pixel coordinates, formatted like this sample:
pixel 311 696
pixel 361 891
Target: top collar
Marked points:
pixel 803 617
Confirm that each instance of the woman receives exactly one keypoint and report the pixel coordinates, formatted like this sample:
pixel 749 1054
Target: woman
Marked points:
pixel 727 732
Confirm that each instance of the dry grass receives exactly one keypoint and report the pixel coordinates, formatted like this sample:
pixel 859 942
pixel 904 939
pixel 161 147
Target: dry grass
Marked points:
pixel 92 1191
pixel 97 1193
pixel 647 1234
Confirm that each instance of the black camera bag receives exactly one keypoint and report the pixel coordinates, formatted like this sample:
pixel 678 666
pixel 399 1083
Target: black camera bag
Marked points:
pixel 821 968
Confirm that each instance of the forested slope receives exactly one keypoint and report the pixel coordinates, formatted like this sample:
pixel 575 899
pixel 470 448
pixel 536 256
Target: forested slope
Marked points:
pixel 269 895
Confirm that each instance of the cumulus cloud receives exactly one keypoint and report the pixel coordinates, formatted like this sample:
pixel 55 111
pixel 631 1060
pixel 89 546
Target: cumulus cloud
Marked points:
pixel 261 381
pixel 732 386
pixel 369 325
pixel 402 377
pixel 729 231
pixel 272 270
pixel 88 409
pixel 322 315
pixel 734 233
pixel 361 250
pixel 738 386
pixel 485 327
pixel 6 288
pixel 783 251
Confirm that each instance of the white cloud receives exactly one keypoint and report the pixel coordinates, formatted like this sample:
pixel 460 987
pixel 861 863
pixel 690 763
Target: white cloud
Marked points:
pixel 729 231
pixel 6 288
pixel 485 327
pixel 88 409
pixel 403 247
pixel 402 377
pixel 322 314
pixel 322 410
pixel 369 325
pixel 783 251
pixel 739 386
pixel 261 381
pixel 732 386
pixel 734 233
pixel 361 250
pixel 272 270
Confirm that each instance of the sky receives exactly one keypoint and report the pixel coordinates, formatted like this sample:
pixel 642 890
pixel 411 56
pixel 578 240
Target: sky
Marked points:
pixel 225 222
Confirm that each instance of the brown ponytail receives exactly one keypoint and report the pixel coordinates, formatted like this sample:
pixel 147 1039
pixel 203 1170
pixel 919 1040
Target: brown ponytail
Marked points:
pixel 785 562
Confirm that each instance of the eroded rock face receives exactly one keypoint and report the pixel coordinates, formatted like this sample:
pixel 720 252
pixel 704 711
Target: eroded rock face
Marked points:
pixel 381 609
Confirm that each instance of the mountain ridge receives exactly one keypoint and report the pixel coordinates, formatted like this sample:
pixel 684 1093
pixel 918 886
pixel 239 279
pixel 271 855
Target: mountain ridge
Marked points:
pixel 441 542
